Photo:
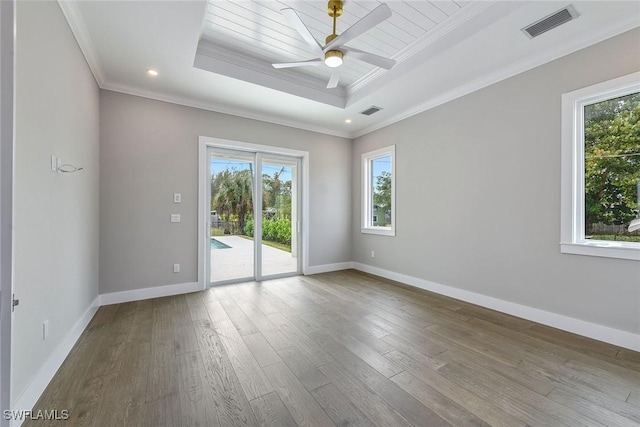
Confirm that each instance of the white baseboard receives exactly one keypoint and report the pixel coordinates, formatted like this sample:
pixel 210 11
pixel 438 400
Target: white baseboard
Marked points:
pixel 327 268
pixel 146 293
pixel 46 372
pixel 569 324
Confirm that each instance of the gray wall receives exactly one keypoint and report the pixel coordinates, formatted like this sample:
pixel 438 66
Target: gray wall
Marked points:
pixel 478 195
pixel 149 150
pixel 56 215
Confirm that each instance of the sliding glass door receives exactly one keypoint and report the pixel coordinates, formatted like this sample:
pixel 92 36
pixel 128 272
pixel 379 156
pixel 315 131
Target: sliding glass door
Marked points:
pixel 279 216
pixel 231 209
pixel 254 206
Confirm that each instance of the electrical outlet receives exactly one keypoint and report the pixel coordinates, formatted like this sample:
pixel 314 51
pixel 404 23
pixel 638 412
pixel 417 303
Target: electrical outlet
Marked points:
pixel 45 330
pixel 175 217
pixel 176 268
pixel 373 254
pixel 177 198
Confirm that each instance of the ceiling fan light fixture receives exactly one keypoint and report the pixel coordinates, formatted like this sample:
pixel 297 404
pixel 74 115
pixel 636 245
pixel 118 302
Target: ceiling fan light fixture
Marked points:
pixel 333 58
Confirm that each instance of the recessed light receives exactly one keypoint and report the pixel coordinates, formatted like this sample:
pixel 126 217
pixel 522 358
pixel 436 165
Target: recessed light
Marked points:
pixel 152 73
pixel 348 121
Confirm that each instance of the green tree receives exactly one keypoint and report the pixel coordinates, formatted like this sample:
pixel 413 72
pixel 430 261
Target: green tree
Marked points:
pixel 277 194
pixel 234 197
pixel 612 160
pixel 382 191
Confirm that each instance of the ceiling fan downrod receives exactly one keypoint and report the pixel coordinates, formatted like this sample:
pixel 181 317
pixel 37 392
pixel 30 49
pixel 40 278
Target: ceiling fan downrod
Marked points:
pixel 333 58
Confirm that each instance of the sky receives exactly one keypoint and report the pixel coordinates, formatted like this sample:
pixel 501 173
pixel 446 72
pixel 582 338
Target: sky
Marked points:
pixel 218 165
pixel 382 164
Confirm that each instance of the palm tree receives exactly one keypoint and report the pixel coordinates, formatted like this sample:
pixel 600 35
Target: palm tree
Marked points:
pixel 234 197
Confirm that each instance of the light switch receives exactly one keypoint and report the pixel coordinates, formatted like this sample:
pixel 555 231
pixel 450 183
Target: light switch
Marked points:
pixel 177 198
pixel 54 164
pixel 175 217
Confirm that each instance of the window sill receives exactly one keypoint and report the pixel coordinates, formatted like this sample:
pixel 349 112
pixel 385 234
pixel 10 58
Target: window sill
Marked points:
pixel 382 231
pixel 601 248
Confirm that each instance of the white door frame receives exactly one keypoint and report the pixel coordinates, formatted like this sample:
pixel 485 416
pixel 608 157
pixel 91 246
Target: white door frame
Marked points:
pixel 204 188
pixel 7 48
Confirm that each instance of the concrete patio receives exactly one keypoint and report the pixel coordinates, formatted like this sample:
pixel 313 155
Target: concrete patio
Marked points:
pixel 237 261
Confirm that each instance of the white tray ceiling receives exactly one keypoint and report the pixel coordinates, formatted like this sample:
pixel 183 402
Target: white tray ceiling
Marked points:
pixel 216 55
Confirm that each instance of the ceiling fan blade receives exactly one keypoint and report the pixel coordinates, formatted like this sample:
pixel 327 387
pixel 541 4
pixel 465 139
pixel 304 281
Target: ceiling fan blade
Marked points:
pixel 313 62
pixel 294 21
pixel 378 61
pixel 372 19
pixel 335 78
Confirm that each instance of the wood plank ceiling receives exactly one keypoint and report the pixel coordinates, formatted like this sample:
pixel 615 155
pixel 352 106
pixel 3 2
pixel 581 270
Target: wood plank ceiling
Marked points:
pixel 258 29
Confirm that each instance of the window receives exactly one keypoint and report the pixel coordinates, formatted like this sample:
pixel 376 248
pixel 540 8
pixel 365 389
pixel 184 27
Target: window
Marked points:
pixel 378 191
pixel 601 169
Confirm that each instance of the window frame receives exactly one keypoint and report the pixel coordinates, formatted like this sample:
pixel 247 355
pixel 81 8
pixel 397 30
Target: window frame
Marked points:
pixel 573 239
pixel 367 192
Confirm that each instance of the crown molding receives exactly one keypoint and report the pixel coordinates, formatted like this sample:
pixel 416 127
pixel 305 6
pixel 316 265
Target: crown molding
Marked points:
pixel 73 16
pixel 221 60
pixel 502 74
pixel 441 30
pixel 223 109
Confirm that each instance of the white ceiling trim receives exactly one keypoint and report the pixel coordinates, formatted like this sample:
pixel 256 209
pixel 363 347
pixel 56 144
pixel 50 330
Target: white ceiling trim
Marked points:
pixel 80 32
pixel 507 72
pixel 217 59
pixel 79 29
pixel 222 109
pixel 445 27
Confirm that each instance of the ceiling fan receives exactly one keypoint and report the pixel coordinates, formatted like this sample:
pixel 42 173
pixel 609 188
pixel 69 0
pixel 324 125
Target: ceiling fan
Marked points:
pixel 334 51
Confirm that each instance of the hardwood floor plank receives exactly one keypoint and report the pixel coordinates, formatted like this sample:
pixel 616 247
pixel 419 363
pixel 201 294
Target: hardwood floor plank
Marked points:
pixel 378 362
pixel 141 326
pixel 467 339
pixel 537 383
pixel 625 409
pixel 403 403
pixel 415 344
pixel 190 389
pixel 163 412
pixel 303 407
pixel 372 405
pixel 344 326
pixel 583 406
pixel 223 392
pixel 195 306
pixel 271 412
pixel 263 352
pixel 341 348
pixel 185 340
pixel 92 396
pixel 276 339
pixel 634 399
pixel 474 403
pixel 573 341
pixel 341 411
pixel 545 352
pixel 162 379
pixel 251 377
pixel 308 374
pixel 446 408
pixel 518 400
pixel 243 324
pixel 128 399
pixel 311 350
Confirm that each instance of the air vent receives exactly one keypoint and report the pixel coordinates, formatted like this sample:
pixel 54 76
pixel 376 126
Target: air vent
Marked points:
pixel 550 22
pixel 371 110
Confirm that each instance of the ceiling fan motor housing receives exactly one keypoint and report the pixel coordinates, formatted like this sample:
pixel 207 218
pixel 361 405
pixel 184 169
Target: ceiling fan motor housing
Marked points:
pixel 334 8
pixel 333 58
